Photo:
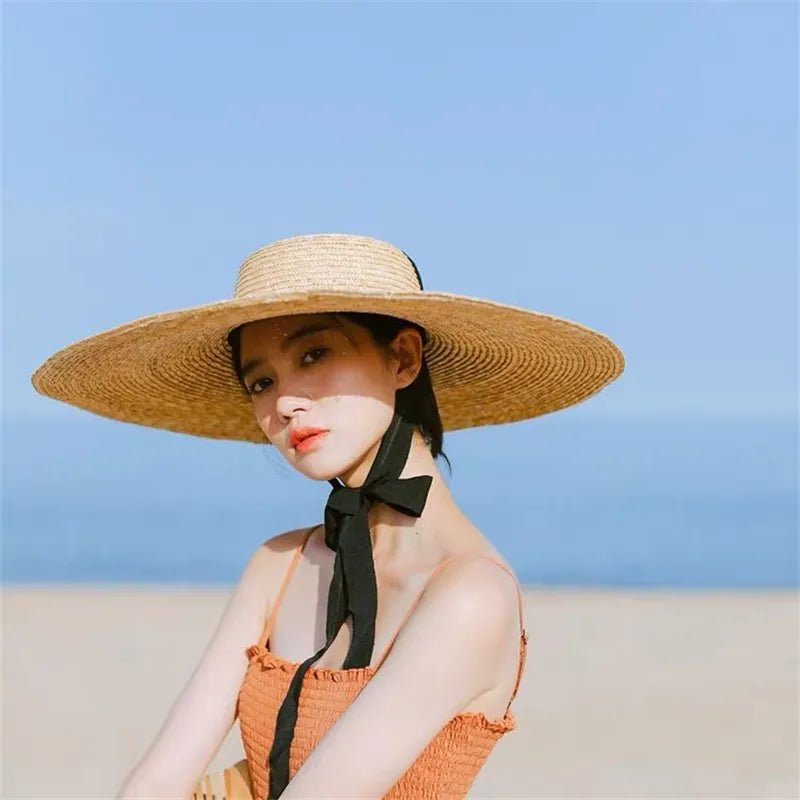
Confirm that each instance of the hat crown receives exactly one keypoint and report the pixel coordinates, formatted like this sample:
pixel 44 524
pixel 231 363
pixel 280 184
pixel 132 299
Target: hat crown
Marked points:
pixel 323 263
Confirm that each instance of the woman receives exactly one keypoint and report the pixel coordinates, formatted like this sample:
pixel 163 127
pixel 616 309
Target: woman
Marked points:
pixel 332 352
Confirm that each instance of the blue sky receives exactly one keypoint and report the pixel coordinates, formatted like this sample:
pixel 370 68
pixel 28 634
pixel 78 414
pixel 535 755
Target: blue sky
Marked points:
pixel 631 166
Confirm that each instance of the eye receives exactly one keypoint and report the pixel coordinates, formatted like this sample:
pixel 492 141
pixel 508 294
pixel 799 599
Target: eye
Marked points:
pixel 254 385
pixel 315 352
pixel 319 350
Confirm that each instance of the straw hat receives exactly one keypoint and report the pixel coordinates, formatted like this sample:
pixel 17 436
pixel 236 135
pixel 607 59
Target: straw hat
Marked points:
pixel 489 362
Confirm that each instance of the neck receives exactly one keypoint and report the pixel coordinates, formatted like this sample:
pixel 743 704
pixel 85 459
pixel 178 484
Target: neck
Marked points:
pixel 399 542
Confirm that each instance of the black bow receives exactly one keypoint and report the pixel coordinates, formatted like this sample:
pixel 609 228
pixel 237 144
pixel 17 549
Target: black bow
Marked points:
pixel 353 588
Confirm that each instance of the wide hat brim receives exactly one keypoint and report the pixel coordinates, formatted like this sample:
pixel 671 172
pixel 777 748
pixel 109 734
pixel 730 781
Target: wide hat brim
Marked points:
pixel 489 362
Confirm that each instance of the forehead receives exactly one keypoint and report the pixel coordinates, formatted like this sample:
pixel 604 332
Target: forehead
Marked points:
pixel 278 330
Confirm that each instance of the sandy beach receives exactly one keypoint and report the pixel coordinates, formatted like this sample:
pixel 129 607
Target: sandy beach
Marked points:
pixel 627 694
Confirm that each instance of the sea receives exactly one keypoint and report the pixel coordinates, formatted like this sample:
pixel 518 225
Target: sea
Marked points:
pixel 569 499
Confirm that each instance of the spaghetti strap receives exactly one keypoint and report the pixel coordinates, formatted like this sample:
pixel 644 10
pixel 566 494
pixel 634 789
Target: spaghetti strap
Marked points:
pixel 523 641
pixel 267 632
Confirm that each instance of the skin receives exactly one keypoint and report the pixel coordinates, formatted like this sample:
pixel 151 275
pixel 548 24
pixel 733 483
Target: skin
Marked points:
pixel 456 651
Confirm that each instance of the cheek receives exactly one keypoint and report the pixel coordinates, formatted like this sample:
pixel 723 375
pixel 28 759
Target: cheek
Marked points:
pixel 357 412
pixel 354 377
pixel 264 414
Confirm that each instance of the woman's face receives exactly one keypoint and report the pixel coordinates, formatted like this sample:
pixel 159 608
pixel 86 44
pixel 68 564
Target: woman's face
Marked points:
pixel 323 371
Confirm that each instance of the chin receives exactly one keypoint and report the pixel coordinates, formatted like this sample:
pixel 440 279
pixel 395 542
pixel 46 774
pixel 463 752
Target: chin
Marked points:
pixel 317 465
pixel 317 469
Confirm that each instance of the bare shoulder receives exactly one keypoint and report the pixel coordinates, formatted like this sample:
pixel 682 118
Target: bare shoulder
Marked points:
pixel 460 638
pixel 286 541
pixel 476 575
pixel 266 566
pixel 272 553
pixel 471 598
pixel 473 604
pixel 478 588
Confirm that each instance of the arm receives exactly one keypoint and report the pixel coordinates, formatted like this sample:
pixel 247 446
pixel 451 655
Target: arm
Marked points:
pixel 205 709
pixel 444 656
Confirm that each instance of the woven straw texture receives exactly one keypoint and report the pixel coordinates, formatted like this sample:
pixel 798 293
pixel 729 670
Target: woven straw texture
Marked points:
pixel 490 363
pixel 231 783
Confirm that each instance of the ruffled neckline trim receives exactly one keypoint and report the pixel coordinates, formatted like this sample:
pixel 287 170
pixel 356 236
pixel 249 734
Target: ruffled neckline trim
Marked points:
pixel 257 654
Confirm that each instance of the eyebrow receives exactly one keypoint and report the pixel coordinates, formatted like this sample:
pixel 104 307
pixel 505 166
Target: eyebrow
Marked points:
pixel 288 341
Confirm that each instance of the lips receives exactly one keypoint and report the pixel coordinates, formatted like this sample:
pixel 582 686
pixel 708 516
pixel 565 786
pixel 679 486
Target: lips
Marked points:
pixel 300 434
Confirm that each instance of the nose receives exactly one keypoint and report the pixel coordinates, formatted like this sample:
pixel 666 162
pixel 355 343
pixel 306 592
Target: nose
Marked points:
pixel 288 404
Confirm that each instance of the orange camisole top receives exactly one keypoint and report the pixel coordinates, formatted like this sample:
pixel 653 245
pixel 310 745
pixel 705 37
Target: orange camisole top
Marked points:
pixel 444 770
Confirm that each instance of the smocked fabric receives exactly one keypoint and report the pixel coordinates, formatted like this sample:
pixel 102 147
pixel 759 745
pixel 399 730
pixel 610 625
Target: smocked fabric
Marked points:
pixel 444 770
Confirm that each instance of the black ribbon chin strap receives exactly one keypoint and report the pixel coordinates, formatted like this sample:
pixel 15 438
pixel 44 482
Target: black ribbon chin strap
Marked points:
pixel 353 590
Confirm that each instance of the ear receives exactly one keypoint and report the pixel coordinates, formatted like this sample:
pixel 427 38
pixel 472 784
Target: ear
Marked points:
pixel 407 347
